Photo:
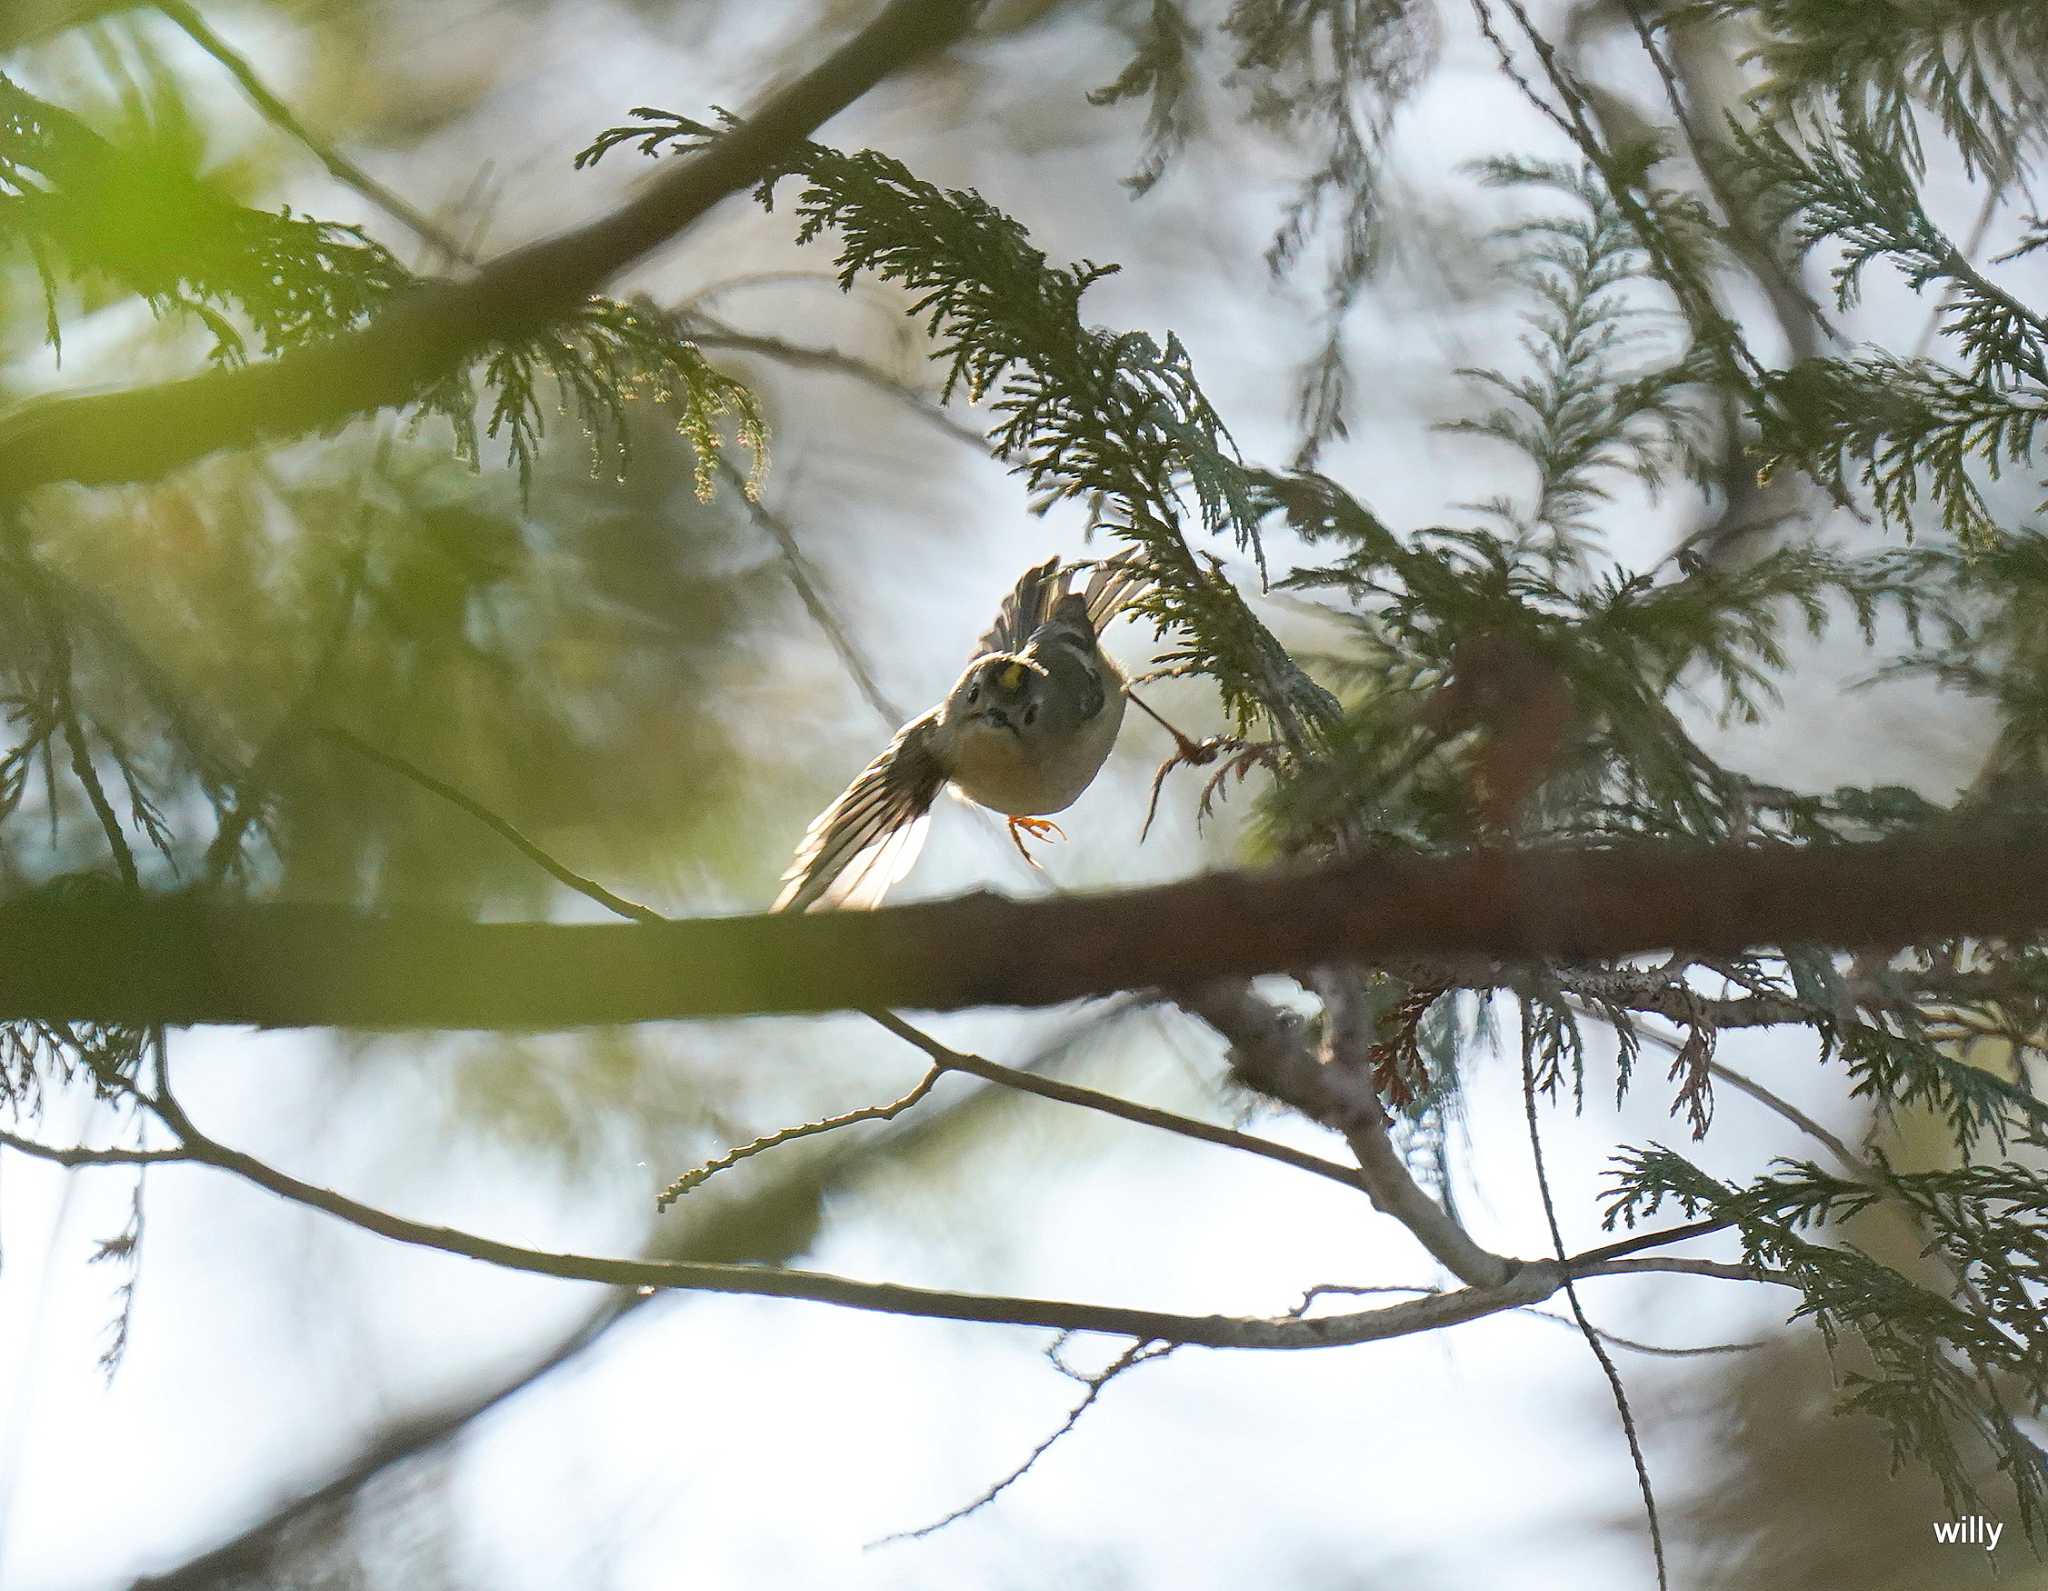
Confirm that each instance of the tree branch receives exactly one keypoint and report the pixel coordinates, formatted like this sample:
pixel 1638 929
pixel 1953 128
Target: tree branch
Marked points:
pixel 1531 1282
pixel 1216 1331
pixel 143 432
pixel 80 1155
pixel 703 1173
pixel 1065 1093
pixel 775 1220
pixel 1343 1062
pixel 803 577
pixel 188 961
pixel 943 1058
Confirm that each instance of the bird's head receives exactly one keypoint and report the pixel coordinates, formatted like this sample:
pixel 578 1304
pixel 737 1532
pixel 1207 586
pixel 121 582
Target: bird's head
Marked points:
pixel 1000 695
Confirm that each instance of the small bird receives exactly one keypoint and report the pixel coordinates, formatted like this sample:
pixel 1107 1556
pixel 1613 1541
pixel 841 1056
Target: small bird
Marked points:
pixel 1024 731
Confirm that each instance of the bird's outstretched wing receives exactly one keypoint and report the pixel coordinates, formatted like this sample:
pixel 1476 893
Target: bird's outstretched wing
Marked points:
pixel 867 839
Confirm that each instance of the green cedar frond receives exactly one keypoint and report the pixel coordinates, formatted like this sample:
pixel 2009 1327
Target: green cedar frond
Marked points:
pixel 1942 1363
pixel 653 132
pixel 603 357
pixel 134 218
pixel 1862 198
pixel 1872 67
pixel 1159 71
pixel 1337 72
pixel 1583 413
pixel 1896 1069
pixel 1617 641
pixel 1116 421
pixel 156 231
pixel 1897 427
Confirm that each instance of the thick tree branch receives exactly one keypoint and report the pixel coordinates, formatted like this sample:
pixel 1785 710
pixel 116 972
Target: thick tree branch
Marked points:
pixel 944 1059
pixel 187 961
pixel 141 433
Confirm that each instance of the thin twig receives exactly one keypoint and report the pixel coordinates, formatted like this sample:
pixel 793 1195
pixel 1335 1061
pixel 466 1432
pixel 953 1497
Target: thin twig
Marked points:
pixel 1138 1353
pixel 1649 1240
pixel 1586 1327
pixel 755 1225
pixel 1744 1084
pixel 1514 73
pixel 1113 1105
pixel 1357 1290
pixel 1721 1270
pixel 80 1155
pixel 617 904
pixel 1695 297
pixel 1770 268
pixel 276 111
pixel 810 1129
pixel 1653 1350
pixel 88 776
pixel 798 567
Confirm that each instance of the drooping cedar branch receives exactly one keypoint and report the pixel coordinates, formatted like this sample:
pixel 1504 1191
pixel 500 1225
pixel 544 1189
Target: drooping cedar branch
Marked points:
pixel 182 960
pixel 141 433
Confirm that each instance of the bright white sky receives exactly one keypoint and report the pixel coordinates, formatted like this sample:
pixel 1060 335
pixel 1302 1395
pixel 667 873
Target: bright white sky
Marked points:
pixel 736 1443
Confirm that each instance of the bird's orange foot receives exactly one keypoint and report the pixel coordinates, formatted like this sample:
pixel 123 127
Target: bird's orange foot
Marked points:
pixel 1038 829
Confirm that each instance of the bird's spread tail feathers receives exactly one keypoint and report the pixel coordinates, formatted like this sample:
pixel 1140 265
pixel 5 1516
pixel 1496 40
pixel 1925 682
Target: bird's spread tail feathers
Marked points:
pixel 1114 585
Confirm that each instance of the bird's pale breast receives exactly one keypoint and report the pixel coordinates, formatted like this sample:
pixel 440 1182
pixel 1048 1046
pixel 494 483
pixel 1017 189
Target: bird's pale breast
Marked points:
pixel 1016 776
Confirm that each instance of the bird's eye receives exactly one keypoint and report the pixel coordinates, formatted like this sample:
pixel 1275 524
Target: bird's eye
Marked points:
pixel 1031 713
pixel 974 693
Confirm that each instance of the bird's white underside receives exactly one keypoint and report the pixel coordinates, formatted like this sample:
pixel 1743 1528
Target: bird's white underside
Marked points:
pixel 1008 775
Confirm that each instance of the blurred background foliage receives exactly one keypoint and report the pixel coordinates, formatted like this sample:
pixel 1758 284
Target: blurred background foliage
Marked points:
pixel 625 670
